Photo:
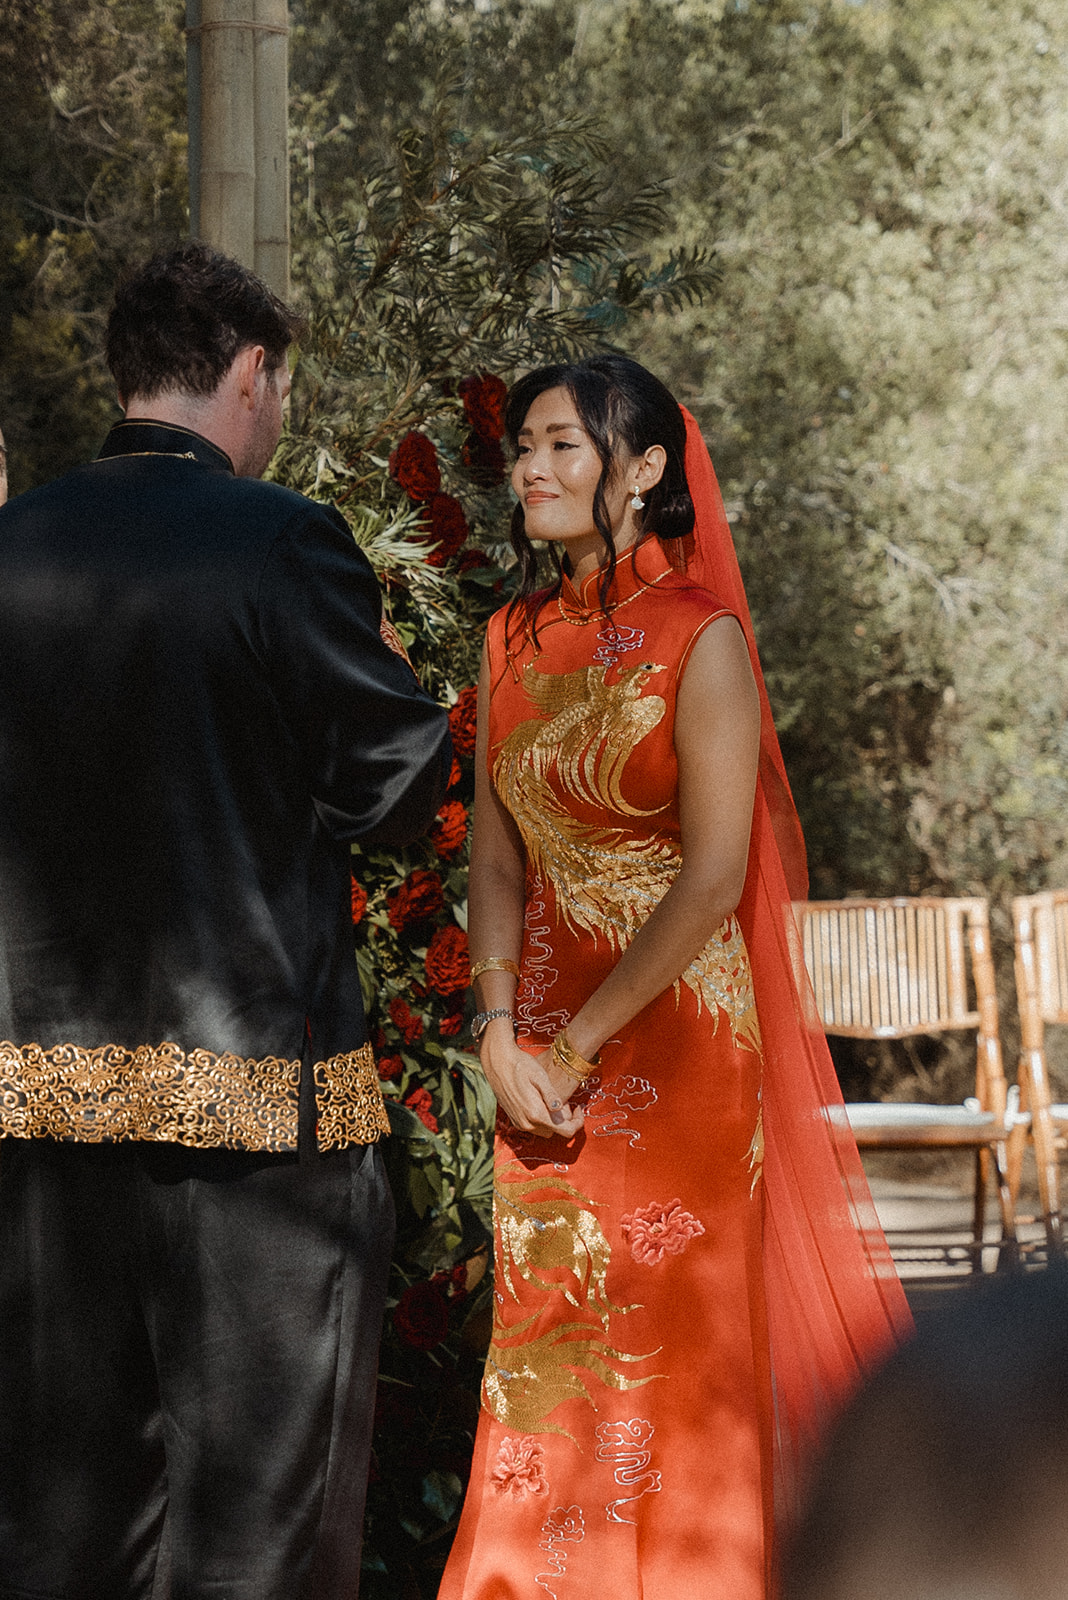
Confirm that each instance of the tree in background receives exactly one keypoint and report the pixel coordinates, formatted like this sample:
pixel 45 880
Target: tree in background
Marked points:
pixel 92 171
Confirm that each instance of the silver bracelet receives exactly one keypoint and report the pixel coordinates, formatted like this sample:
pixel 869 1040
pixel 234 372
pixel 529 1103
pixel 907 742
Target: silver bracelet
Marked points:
pixel 482 1019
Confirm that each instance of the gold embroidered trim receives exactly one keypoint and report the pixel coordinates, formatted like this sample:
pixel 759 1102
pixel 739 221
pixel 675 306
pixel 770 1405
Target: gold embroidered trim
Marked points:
pixel 195 1098
pixel 349 1095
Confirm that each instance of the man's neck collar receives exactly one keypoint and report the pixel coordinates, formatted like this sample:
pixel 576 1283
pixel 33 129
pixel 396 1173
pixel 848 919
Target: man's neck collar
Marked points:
pixel 143 436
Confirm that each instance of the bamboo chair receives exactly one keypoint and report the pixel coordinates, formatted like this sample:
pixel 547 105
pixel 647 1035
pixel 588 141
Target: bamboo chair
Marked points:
pixel 888 969
pixel 1041 924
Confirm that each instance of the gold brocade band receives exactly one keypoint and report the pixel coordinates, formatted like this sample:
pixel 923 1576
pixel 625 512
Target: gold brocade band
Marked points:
pixel 195 1098
pixel 349 1095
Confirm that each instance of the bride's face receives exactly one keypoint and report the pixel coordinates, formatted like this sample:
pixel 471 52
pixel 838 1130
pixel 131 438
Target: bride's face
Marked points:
pixel 556 475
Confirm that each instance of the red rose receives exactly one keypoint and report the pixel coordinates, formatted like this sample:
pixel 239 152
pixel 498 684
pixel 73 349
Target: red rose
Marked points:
pixel 448 962
pixel 421 1317
pixel 420 896
pixel 450 1024
pixel 452 1281
pixel 484 460
pixel 471 560
pixel 448 528
pixel 485 397
pixel 359 902
pixel 408 1023
pixel 450 829
pixel 414 465
pixel 462 721
pixel 420 1102
pixel 389 1068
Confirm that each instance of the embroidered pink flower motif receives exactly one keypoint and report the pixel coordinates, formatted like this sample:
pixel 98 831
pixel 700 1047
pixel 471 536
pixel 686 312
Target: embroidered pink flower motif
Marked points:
pixel 655 1231
pixel 517 1469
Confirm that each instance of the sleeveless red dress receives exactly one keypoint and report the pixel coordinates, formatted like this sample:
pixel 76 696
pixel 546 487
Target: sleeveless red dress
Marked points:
pixel 687 1292
pixel 625 1446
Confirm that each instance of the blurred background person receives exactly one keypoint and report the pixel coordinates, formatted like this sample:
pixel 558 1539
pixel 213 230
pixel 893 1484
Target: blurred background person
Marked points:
pixel 947 1479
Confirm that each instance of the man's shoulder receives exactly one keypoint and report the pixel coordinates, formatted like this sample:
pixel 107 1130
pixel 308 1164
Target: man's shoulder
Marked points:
pixel 175 495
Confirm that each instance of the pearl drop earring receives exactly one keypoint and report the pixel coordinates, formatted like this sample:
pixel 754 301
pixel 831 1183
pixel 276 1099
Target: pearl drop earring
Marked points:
pixel 637 504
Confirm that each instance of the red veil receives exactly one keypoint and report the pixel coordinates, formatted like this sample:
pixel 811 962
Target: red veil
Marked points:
pixel 835 1304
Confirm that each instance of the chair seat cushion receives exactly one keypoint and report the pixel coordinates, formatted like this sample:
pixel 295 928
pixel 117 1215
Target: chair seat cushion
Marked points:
pixel 898 1114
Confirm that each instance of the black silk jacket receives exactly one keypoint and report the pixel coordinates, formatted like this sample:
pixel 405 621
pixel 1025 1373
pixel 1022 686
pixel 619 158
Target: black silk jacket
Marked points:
pixel 197 715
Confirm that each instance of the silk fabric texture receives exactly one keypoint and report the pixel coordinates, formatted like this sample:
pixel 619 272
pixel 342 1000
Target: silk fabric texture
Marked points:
pixel 687 1292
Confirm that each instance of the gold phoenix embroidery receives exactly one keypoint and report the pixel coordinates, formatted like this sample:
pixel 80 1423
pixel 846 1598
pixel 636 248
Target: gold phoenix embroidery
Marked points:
pixel 545 1226
pixel 196 1097
pixel 606 881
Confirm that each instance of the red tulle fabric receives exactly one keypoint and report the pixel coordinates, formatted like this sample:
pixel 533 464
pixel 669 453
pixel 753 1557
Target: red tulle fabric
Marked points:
pixel 835 1303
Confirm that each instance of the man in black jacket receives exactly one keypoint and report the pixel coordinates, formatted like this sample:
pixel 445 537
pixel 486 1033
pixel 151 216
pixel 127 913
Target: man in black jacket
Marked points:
pixel 197 716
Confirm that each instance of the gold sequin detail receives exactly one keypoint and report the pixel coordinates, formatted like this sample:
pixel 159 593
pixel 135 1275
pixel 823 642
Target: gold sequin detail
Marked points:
pixel 163 1093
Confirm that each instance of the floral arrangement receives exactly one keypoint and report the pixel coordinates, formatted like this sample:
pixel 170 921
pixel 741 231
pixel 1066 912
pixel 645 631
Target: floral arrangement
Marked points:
pixel 409 916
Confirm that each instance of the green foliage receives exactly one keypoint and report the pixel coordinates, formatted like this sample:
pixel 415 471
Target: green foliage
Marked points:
pixel 91 176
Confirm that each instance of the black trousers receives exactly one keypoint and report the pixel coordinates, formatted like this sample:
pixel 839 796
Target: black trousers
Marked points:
pixel 188 1351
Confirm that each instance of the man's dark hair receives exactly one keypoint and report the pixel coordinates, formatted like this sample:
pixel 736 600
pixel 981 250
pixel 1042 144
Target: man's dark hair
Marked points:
pixel 179 321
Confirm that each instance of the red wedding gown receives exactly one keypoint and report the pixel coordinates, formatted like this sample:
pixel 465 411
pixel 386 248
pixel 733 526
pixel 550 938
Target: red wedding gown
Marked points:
pixel 667 1335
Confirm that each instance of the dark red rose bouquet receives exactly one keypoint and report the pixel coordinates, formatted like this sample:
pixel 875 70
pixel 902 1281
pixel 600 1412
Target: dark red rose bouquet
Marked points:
pixel 484 460
pixel 450 829
pixel 414 465
pixel 421 1101
pixel 448 528
pixel 422 1316
pixel 448 963
pixel 418 898
pixel 462 721
pixel 359 902
pixel 484 396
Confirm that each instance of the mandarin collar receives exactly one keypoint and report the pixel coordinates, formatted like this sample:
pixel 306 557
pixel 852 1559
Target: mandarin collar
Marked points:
pixel 643 564
pixel 143 437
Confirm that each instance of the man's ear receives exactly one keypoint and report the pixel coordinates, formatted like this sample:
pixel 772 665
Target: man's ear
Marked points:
pixel 249 366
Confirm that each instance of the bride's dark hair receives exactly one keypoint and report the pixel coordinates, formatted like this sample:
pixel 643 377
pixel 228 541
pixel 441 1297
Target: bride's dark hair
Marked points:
pixel 625 410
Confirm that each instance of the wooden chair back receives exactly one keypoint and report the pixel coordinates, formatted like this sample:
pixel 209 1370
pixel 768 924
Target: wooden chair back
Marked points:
pixel 886 969
pixel 1041 928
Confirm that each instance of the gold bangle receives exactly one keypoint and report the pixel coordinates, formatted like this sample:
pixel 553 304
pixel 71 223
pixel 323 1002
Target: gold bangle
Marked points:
pixel 568 1059
pixel 494 964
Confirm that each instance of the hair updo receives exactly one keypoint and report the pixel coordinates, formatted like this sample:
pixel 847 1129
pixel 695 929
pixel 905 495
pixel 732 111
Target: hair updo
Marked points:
pixel 624 410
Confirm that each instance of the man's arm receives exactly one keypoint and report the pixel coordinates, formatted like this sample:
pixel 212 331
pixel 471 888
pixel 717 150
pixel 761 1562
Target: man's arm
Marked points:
pixel 376 747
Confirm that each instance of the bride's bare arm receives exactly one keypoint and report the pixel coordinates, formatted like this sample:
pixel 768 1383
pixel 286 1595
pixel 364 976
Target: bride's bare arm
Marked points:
pixel 717 741
pixel 530 1089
